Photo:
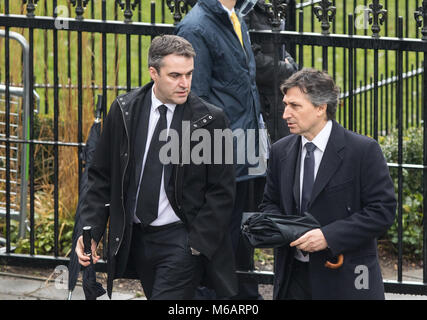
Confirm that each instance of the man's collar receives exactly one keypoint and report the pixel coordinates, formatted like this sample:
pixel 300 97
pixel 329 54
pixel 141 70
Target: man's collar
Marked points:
pixel 322 138
pixel 155 103
pixel 229 12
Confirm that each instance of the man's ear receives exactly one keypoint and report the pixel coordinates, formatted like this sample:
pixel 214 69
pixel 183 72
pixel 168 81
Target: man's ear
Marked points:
pixel 322 110
pixel 153 73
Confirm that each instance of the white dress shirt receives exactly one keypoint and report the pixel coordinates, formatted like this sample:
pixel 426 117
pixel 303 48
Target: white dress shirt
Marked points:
pixel 320 141
pixel 166 214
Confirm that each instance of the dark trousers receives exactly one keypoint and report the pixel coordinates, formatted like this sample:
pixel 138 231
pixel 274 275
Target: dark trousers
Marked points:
pixel 299 287
pixel 164 263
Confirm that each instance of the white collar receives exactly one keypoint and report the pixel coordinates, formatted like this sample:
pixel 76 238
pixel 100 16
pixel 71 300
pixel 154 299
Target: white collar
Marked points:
pixel 322 138
pixel 155 103
pixel 228 10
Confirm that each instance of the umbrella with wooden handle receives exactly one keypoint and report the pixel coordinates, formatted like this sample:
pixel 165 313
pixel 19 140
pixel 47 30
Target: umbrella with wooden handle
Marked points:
pixel 270 230
pixel 337 265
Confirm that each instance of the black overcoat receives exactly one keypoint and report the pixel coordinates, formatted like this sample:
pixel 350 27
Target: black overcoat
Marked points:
pixel 353 199
pixel 202 195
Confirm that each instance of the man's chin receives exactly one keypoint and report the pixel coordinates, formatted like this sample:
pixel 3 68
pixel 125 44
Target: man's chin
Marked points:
pixel 180 100
pixel 293 130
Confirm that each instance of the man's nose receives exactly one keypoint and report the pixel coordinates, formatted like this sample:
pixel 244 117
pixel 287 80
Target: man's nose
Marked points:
pixel 285 114
pixel 185 82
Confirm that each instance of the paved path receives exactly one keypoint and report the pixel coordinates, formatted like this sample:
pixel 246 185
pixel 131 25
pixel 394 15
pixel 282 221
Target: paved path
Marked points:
pixel 24 288
pixel 18 287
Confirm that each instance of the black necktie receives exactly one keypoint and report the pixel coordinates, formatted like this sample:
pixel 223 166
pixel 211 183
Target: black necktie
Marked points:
pixel 308 178
pixel 148 199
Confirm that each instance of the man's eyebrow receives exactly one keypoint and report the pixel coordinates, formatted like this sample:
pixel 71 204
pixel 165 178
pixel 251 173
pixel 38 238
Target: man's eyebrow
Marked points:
pixel 178 73
pixel 293 103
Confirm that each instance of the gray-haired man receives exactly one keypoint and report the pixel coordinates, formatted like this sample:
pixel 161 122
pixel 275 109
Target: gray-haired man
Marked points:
pixel 342 179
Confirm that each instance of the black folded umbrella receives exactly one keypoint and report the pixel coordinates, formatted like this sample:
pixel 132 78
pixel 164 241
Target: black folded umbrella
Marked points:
pixel 270 230
pixel 91 288
pixel 86 156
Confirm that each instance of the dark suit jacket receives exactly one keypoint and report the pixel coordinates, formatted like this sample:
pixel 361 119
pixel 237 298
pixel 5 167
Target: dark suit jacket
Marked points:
pixel 202 195
pixel 353 199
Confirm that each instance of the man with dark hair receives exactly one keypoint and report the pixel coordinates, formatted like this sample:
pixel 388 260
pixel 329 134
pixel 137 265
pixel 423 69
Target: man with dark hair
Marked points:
pixel 339 177
pixel 167 221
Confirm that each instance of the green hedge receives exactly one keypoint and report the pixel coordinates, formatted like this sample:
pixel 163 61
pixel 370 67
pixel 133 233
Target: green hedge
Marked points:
pixel 412 184
pixel 44 238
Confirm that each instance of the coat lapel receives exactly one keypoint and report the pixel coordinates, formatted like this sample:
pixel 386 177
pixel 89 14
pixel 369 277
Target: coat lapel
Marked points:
pixel 177 126
pixel 297 185
pixel 140 136
pixel 195 115
pixel 290 190
pixel 331 160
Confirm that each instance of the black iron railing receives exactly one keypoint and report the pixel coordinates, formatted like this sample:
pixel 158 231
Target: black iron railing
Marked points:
pixel 92 48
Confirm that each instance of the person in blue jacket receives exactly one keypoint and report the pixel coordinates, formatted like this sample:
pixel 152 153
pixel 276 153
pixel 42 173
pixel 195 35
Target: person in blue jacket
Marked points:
pixel 224 75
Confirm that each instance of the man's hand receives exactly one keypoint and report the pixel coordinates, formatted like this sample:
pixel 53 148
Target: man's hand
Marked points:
pixel 311 241
pixel 84 260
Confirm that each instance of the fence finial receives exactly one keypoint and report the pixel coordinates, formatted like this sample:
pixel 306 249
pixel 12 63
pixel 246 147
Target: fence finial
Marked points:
pixel 178 8
pixel 277 11
pixel 80 7
pixel 420 16
pixel 128 7
pixel 325 13
pixel 31 7
pixel 378 17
